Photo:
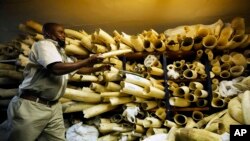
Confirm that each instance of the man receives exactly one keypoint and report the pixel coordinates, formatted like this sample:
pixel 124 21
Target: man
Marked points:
pixel 36 113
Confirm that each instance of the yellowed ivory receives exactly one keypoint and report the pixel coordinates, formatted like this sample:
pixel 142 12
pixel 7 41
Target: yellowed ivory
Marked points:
pixel 98 109
pixel 79 95
pixel 120 100
pixel 73 33
pixel 80 77
pixel 148 105
pixel 137 80
pixel 180 119
pixel 154 92
pixel 132 89
pixel 76 50
pixel 179 102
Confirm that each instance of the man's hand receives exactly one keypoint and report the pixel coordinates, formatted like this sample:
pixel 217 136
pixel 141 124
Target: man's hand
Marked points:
pixel 105 67
pixel 95 58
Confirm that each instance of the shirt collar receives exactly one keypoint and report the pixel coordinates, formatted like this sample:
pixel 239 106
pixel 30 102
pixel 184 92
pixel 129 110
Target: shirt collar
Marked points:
pixel 54 42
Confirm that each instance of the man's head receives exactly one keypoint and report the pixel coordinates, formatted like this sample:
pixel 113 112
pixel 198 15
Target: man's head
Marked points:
pixel 55 32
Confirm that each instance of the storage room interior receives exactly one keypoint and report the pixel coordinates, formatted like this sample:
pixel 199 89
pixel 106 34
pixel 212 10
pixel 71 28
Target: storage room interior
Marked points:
pixel 177 66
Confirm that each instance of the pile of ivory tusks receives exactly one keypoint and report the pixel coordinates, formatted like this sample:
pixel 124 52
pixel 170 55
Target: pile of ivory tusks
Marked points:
pixel 139 90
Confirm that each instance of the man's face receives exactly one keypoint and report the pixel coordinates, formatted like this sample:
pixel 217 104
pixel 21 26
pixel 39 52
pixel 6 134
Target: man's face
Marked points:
pixel 58 35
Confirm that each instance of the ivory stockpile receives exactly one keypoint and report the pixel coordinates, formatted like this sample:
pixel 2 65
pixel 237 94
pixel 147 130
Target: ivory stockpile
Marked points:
pixel 143 97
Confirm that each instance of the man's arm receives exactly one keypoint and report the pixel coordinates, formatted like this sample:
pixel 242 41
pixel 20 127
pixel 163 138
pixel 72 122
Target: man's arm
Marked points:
pixel 87 70
pixel 60 68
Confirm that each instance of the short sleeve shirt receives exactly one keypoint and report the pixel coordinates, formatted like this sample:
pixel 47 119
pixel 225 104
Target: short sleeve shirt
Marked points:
pixel 38 79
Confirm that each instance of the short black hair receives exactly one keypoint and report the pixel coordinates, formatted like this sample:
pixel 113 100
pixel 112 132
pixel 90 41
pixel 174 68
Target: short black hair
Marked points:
pixel 48 28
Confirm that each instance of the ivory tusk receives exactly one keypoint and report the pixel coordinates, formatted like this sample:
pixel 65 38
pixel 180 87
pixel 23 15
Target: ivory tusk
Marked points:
pixel 210 54
pixel 105 128
pixel 245 107
pixel 225 35
pixel 180 119
pixel 210 41
pixel 137 80
pixel 195 85
pixel 73 33
pixel 201 102
pixel 238 24
pixel 160 131
pixel 203 32
pixel 148 46
pixel 123 46
pixel 112 76
pixel 86 42
pixel 97 110
pixel 73 41
pixel 236 71
pixel 117 62
pixel 216 95
pixel 190 123
pixel 139 99
pixel 34 25
pixel 115 53
pixel 225 74
pixel 70 107
pixel 79 77
pixel 197 115
pixel 237 41
pixel 199 53
pixel 155 71
pixel 187 44
pixel 148 105
pixel 139 121
pixel 172 134
pixel 154 92
pixel 216 70
pixel 215 62
pixel 113 87
pixel 137 43
pixel 173 46
pixel 200 93
pixel 181 91
pixel 139 128
pixel 179 102
pixel 76 50
pixel 216 127
pixel 190 74
pixel 79 95
pixel 225 66
pixel 160 45
pixel 132 89
pixel 170 124
pixel 112 94
pixel 108 137
pixel 120 100
pixel 64 100
pixel 97 87
pixel 198 42
pixel 191 97
pixel 126 39
pixel 218 103
pixel 151 122
pixel 192 134
pixel 97 48
pixel 227 120
pixel 161 113
pixel 239 59
pixel 105 37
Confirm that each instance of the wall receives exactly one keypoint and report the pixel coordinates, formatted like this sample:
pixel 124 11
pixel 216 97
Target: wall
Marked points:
pixel 130 16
